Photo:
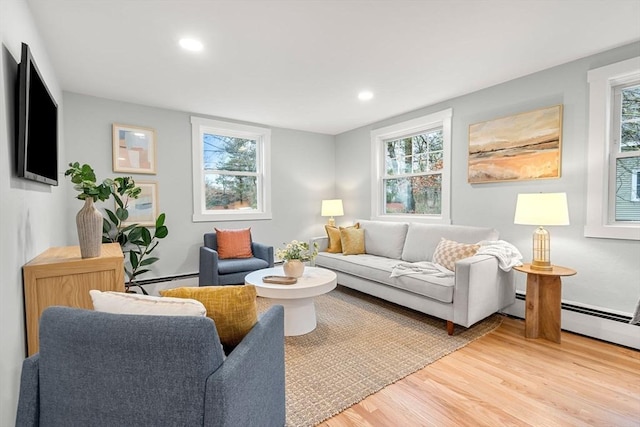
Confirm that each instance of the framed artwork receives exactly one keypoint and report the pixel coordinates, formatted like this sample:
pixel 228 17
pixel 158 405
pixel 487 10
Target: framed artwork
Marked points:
pixel 134 149
pixel 144 209
pixel 524 146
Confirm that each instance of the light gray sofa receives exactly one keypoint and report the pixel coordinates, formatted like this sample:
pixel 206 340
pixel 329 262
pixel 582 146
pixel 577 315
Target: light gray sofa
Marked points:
pixel 478 289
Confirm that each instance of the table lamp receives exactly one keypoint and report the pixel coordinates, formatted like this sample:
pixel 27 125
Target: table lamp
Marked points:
pixel 542 209
pixel 332 208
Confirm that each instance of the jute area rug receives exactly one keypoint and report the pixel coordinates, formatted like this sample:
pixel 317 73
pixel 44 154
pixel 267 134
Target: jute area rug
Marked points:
pixel 361 345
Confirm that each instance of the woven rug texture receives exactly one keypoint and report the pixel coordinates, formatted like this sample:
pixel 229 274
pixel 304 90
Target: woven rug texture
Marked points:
pixel 361 345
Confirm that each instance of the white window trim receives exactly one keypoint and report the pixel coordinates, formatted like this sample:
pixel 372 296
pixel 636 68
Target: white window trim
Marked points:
pixel 421 124
pixel 634 185
pixel 601 81
pixel 262 136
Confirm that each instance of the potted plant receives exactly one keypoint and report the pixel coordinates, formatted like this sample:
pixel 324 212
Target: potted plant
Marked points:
pixel 294 255
pixel 136 241
pixel 89 218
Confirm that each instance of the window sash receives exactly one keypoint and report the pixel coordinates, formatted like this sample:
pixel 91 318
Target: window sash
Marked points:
pixel 261 136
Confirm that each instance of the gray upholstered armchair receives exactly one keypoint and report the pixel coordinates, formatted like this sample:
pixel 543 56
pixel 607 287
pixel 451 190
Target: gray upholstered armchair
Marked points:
pixel 216 271
pixel 102 369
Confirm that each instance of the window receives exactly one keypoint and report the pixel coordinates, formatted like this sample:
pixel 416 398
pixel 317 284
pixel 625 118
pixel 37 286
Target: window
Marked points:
pixel 410 162
pixel 231 179
pixel 613 206
pixel 625 152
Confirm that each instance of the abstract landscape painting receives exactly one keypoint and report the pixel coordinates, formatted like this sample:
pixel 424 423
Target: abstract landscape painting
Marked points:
pixel 520 147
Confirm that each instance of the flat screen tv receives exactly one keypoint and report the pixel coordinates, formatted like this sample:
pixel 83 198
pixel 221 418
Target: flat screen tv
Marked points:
pixel 37 124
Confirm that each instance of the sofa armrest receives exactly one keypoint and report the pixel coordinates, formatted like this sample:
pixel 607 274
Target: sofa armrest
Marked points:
pixel 481 289
pixel 208 274
pixel 249 388
pixel 29 401
pixel 323 243
pixel 263 251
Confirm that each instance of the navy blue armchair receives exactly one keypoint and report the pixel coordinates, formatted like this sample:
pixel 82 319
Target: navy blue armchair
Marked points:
pixel 215 271
pixel 101 369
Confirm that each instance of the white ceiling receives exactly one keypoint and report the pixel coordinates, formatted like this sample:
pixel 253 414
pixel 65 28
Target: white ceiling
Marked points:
pixel 300 64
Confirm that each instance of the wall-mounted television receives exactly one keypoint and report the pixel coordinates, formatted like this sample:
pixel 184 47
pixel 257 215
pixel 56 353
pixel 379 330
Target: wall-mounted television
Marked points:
pixel 37 124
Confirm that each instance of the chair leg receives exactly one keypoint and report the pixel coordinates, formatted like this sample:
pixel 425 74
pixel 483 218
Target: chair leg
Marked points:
pixel 450 326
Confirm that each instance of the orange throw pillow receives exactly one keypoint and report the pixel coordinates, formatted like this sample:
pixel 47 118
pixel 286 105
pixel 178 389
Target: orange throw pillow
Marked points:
pixel 234 243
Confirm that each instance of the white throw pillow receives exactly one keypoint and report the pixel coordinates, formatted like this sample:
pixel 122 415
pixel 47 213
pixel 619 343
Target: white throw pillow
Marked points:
pixel 384 238
pixel 124 303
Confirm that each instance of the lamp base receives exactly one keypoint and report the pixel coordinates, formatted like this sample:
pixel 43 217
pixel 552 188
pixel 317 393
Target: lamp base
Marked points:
pixel 541 265
pixel 331 222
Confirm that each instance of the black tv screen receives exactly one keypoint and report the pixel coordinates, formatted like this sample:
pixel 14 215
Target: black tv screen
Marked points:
pixel 37 127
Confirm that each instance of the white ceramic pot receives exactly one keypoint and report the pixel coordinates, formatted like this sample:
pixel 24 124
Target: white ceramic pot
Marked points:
pixel 293 268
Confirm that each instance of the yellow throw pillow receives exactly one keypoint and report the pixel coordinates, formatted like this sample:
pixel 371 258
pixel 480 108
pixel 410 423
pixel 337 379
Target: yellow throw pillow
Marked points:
pixel 352 240
pixel 232 308
pixel 333 233
pixel 448 252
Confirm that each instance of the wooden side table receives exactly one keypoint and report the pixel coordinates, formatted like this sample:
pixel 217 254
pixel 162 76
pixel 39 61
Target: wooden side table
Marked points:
pixel 60 276
pixel 543 301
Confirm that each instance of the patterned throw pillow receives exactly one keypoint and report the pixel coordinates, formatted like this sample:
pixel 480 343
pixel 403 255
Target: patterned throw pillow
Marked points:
pixel 335 243
pixel 352 240
pixel 448 252
pixel 232 308
pixel 234 243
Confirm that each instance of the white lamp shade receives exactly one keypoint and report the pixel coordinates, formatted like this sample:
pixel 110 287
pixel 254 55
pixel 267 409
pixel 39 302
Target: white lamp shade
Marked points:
pixel 542 209
pixel 332 208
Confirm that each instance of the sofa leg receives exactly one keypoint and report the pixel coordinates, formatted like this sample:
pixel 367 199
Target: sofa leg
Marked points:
pixel 449 327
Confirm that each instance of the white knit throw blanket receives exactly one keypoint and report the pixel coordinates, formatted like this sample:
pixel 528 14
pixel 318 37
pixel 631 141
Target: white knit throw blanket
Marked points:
pixel 508 255
pixel 423 267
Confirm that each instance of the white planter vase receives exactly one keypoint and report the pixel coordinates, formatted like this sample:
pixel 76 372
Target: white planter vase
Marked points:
pixel 89 224
pixel 293 268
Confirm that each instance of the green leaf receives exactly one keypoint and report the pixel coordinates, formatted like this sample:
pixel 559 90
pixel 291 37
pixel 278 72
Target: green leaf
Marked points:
pixel 160 220
pixel 146 236
pixel 114 219
pixel 135 233
pixel 139 272
pixel 106 226
pixel 122 214
pixel 161 232
pixel 133 259
pixel 118 200
pixel 149 261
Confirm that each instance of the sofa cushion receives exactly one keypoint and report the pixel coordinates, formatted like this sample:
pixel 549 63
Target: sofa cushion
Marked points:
pixel 232 308
pixel 352 240
pixel 234 243
pixel 422 239
pixel 126 303
pixel 238 265
pixel 384 239
pixel 448 252
pixel 378 269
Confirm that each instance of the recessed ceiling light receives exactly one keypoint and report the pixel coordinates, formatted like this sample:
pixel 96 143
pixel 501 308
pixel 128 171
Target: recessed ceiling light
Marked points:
pixel 365 95
pixel 191 44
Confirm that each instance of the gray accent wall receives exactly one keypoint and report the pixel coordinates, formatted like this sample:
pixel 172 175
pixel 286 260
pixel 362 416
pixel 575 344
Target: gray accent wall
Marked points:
pixel 608 270
pixel 302 174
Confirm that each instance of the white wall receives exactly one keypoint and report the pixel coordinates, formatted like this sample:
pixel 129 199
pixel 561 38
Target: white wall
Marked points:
pixel 608 270
pixel 32 215
pixel 303 173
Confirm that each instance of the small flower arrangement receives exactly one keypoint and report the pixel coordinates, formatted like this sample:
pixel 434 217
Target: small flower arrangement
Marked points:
pixel 297 250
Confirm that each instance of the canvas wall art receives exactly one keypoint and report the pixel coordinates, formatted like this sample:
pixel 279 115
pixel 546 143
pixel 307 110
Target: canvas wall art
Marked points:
pixel 144 209
pixel 134 149
pixel 524 146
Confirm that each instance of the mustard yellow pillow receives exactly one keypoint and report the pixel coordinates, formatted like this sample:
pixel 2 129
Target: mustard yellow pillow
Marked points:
pixel 352 240
pixel 333 233
pixel 232 308
pixel 448 252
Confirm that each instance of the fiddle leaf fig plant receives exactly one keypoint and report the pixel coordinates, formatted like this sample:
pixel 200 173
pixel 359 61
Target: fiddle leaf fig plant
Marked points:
pixel 137 241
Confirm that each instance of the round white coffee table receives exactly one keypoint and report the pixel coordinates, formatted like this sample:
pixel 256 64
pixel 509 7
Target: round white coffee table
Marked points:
pixel 297 299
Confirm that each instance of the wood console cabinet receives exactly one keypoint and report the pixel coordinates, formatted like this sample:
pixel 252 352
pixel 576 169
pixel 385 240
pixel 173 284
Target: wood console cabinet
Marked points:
pixel 59 276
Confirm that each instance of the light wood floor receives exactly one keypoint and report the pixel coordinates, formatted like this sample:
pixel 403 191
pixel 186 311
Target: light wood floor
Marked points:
pixel 503 379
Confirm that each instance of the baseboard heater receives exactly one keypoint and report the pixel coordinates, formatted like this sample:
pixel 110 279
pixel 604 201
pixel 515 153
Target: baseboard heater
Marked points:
pixel 588 311
pixel 165 279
